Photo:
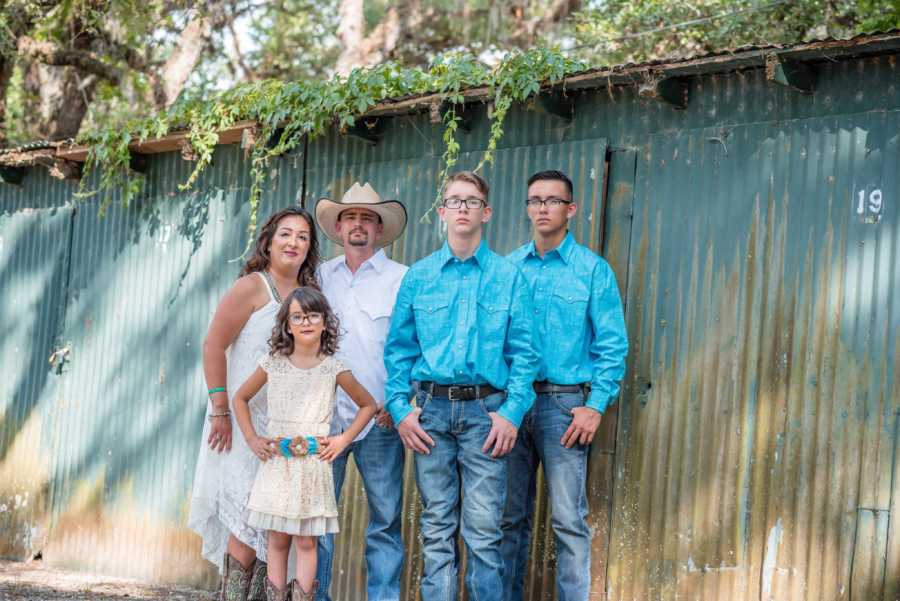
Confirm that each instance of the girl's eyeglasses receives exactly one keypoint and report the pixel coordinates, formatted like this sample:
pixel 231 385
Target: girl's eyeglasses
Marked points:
pixel 298 319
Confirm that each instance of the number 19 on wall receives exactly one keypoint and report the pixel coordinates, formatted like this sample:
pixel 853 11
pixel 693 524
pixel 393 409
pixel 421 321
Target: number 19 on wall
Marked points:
pixel 869 204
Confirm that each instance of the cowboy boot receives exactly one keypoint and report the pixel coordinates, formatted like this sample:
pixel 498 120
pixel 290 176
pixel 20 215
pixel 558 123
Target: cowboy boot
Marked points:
pixel 257 590
pixel 235 580
pixel 273 594
pixel 298 594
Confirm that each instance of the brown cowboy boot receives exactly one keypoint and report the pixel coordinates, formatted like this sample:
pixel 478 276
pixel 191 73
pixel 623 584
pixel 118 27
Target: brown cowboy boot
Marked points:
pixel 273 594
pixel 298 594
pixel 257 590
pixel 235 580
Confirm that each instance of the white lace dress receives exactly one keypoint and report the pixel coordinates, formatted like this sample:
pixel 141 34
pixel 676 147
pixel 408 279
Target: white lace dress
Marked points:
pixel 222 481
pixel 295 495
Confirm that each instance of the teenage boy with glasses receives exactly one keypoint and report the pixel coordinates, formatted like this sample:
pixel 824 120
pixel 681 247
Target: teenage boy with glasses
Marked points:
pixel 580 329
pixel 462 330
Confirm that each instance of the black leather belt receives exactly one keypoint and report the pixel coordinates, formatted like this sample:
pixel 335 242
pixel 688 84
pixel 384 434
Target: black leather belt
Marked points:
pixel 551 388
pixel 469 392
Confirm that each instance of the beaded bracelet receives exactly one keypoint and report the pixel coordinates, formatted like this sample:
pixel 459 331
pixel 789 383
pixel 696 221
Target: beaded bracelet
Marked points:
pixel 223 414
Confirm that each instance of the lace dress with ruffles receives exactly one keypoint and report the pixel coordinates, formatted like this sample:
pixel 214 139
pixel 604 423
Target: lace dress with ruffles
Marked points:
pixel 295 495
pixel 222 481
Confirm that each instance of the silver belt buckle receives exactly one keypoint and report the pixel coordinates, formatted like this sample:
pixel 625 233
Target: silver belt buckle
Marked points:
pixel 451 390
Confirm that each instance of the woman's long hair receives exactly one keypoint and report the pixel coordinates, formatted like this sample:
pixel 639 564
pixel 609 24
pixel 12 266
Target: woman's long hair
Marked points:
pixel 310 301
pixel 260 259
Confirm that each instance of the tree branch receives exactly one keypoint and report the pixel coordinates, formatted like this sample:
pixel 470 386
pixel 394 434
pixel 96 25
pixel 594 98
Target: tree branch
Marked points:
pixel 48 54
pixel 182 61
pixel 528 29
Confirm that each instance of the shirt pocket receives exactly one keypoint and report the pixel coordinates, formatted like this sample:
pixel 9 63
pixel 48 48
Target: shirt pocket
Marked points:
pixel 493 319
pixel 432 319
pixel 568 312
pixel 378 309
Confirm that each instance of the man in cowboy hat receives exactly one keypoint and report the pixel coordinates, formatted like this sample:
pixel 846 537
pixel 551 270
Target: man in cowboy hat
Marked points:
pixel 361 286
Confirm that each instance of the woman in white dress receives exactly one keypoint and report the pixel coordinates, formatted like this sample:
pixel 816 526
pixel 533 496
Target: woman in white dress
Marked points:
pixel 286 255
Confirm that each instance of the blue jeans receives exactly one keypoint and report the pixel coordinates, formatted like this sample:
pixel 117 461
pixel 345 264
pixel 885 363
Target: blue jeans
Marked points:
pixel 458 468
pixel 565 471
pixel 379 459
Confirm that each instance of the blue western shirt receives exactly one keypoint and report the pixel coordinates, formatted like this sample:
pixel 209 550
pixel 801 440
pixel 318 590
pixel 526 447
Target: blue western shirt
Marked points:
pixel 462 322
pixel 579 325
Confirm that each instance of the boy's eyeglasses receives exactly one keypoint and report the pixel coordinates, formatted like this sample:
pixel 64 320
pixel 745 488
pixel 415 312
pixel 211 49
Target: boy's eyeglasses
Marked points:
pixel 298 319
pixel 454 202
pixel 552 201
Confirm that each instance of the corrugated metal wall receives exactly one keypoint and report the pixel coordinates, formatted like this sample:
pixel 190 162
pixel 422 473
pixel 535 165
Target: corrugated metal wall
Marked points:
pixel 760 438
pixel 753 452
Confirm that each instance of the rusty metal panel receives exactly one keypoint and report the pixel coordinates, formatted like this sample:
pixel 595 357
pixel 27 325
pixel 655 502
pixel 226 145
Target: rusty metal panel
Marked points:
pixel 756 447
pixel 34 245
pixel 404 165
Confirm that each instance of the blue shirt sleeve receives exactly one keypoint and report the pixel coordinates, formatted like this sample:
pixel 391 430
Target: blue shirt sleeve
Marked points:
pixel 521 354
pixel 610 342
pixel 401 350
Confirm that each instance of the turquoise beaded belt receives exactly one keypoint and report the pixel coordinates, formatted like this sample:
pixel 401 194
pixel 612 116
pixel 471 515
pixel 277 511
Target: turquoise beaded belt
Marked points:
pixel 299 446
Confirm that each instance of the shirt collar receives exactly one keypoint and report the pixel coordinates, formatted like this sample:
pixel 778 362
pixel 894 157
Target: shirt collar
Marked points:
pixel 564 250
pixel 378 261
pixel 481 256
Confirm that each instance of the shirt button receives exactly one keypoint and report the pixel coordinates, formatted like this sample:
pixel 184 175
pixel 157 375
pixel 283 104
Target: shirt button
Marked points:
pixel 535 311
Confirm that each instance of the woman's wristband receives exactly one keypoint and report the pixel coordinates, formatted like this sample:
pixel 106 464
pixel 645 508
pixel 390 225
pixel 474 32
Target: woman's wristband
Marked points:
pixel 213 391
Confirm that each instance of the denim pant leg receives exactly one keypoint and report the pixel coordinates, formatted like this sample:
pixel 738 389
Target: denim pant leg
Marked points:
pixel 325 546
pixel 483 498
pixel 437 479
pixel 565 471
pixel 521 465
pixel 379 458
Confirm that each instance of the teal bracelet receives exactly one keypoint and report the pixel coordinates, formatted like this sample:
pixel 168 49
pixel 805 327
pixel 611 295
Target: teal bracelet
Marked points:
pixel 213 391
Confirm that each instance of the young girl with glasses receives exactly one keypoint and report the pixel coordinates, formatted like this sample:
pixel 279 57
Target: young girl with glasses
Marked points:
pixel 293 494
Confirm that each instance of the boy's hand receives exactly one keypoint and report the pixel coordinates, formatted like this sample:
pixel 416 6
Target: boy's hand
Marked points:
pixel 332 447
pixel 414 437
pixel 585 422
pixel 502 436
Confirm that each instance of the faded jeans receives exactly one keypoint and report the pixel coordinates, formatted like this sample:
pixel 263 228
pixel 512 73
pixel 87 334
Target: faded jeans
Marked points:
pixel 379 459
pixel 462 488
pixel 565 471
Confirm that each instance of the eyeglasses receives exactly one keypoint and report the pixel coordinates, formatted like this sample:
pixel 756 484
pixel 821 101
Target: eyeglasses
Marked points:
pixel 298 319
pixel 455 202
pixel 551 201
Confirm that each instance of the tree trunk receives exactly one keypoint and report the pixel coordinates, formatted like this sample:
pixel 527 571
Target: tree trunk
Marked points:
pixel 171 79
pixel 359 50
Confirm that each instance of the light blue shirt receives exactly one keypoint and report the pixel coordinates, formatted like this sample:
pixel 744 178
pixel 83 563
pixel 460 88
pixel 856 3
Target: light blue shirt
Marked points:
pixel 580 327
pixel 462 322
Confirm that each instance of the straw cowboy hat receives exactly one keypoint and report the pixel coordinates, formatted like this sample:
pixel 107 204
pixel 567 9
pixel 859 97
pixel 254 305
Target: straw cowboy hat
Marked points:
pixel 392 213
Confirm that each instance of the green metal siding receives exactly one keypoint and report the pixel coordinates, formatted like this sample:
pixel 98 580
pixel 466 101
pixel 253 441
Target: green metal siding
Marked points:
pixel 34 246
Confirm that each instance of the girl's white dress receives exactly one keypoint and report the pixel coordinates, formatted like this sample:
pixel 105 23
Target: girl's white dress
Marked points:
pixel 295 495
pixel 222 481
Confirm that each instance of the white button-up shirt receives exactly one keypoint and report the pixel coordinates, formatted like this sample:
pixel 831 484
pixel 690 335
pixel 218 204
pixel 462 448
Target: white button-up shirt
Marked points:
pixel 364 302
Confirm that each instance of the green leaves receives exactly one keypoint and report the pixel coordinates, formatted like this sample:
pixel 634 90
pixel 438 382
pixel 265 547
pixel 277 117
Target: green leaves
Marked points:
pixel 300 108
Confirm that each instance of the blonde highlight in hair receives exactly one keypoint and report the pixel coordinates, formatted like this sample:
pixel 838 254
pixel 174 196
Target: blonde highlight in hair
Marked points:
pixel 469 177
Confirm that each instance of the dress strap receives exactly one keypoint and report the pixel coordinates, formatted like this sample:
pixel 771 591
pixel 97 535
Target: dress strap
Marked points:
pixel 270 286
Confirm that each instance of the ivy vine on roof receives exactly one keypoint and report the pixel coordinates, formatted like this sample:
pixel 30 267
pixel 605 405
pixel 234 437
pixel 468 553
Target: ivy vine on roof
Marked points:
pixel 288 111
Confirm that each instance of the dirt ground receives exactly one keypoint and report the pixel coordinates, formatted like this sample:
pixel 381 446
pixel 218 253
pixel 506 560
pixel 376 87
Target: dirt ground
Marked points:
pixel 32 581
